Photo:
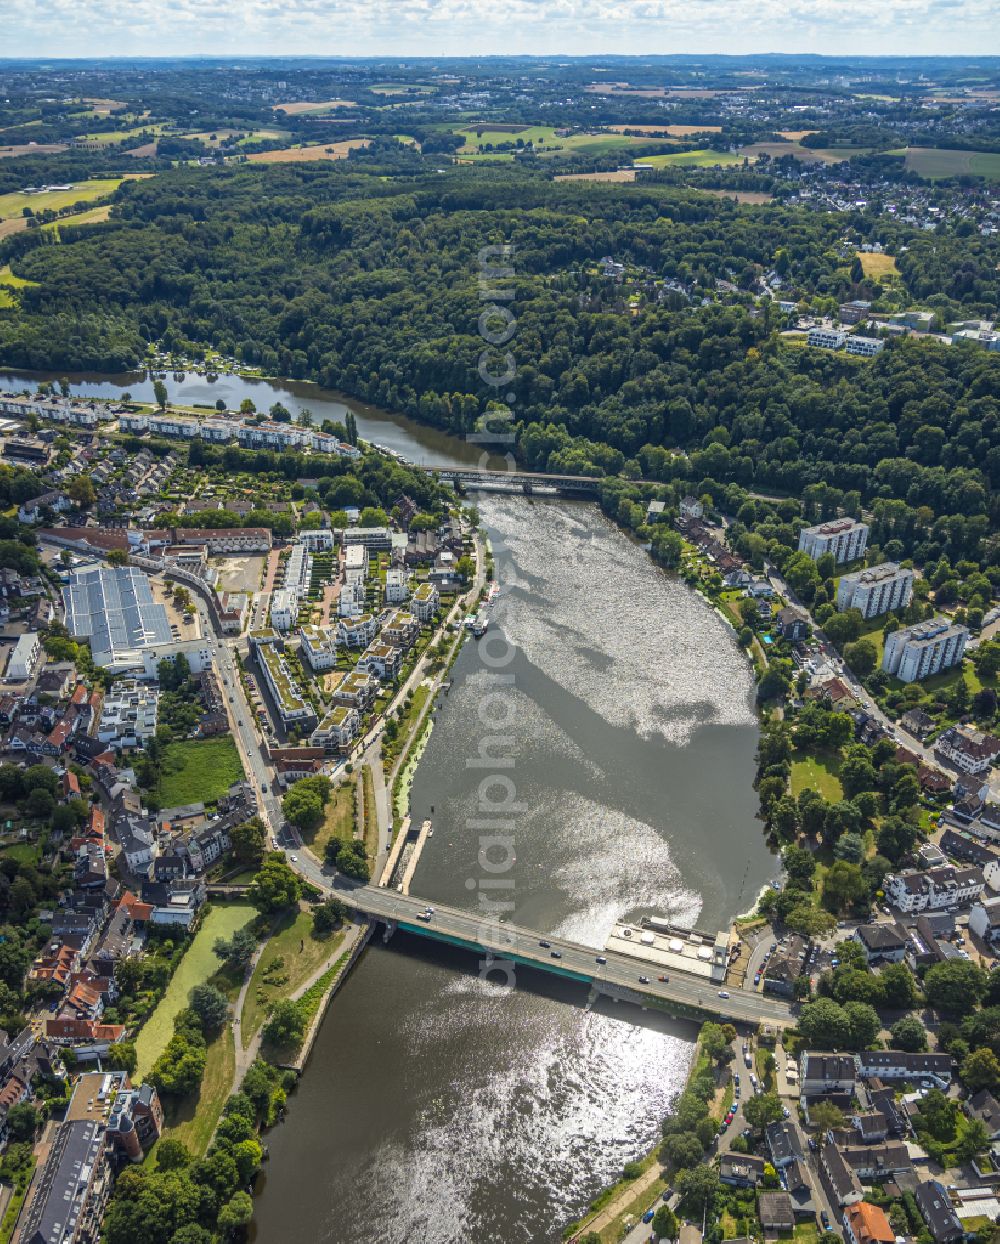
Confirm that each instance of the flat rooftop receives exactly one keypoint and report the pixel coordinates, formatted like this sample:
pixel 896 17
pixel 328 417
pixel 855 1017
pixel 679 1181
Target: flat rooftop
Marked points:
pixel 668 949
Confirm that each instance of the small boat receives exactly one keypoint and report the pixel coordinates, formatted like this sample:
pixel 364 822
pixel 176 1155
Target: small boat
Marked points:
pixel 494 592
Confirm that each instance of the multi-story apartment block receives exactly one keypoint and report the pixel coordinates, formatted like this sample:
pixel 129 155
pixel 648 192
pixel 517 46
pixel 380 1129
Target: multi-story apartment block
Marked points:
pixel 396 589
pixel 867 346
pixel 356 690
pixel 877 590
pixel 337 729
pixel 285 691
pixel 318 539
pixel 284 609
pixel 915 652
pixel 357 632
pixel 319 647
pixel 845 538
pixel 128 714
pixel 381 659
pixel 972 751
pixel 827 338
pixel 424 604
pixel 401 629
pixel 933 890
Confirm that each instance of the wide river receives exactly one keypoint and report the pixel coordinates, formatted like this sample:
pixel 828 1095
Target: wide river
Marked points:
pixel 444 1108
pixel 441 1107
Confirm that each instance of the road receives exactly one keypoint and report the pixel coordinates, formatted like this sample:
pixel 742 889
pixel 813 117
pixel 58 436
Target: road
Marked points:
pixel 503 940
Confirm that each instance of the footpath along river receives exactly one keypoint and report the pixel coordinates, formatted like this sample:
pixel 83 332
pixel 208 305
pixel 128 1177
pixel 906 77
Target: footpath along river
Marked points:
pixel 436 1105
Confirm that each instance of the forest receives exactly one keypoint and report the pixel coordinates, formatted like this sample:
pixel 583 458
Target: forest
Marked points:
pixel 372 286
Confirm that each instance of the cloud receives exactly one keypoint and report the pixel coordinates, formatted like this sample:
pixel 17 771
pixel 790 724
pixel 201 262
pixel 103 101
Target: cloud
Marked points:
pixel 488 27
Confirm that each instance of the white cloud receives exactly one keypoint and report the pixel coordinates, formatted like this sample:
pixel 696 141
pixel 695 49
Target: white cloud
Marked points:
pixel 490 27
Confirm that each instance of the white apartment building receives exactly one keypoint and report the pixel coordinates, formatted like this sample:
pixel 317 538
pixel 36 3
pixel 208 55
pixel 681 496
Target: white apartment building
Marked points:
pixel 377 538
pixel 198 653
pixel 845 538
pixel 284 609
pixel 381 659
pixel 317 539
pixel 319 647
pixel 355 562
pixel 298 570
pixel 867 346
pixel 288 698
pixel 916 652
pixel 337 729
pixel 351 601
pixel 357 632
pixel 24 657
pixel 972 751
pixel 56 411
pixel 396 590
pixel 425 602
pixel 827 338
pixel 128 714
pixel 877 590
pixel 401 628
pixel 933 890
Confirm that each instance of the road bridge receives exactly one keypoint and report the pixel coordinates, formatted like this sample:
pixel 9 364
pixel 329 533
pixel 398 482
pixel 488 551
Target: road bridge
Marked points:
pixel 618 976
pixel 526 482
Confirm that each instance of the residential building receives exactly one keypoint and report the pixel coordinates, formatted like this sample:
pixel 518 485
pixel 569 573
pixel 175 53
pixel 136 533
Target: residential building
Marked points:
pixel 219 541
pixel 867 1224
pixel 826 338
pixel 113 607
pixel 972 751
pixel 424 603
pixel 396 587
pixel 839 1180
pixel 319 647
pixel 376 539
pixel 317 539
pixel 381 659
pixel 24 657
pixel 741 1170
pixel 866 346
pixel 288 698
pixel 882 943
pixel 845 538
pixel 877 590
pixel 401 629
pixel 872 1163
pixel 827 1073
pixel 783 1144
pixel 197 653
pixel 128 714
pixel 655 511
pixel 284 609
pixel 357 632
pixel 793 624
pixel 890 1065
pixel 68 1199
pixel 934 890
pixel 915 652
pixel 936 1210
pixel 984 920
pixel 985 1107
pixel 355 563
pixel 337 730
pixel 691 507
pixel 356 690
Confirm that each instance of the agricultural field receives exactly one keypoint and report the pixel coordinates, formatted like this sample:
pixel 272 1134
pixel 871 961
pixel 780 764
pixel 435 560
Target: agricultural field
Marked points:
pixel 617 175
pixel 402 88
pixel 20 149
pixel 543 139
pixel 808 155
pixel 199 964
pixel 120 136
pixel 9 282
pixel 704 158
pixel 318 151
pixel 303 107
pixel 672 131
pixel 938 162
pixel 198 770
pixel 754 197
pixel 878 266
pixel 12 205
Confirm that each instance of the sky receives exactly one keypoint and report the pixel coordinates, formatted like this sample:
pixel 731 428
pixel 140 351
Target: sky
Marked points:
pixel 67 28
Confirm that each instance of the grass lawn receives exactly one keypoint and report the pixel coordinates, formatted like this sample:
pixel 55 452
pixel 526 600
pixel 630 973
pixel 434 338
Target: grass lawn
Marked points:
pixel 818 773
pixel 119 136
pixel 878 266
pixel 13 204
pixel 198 770
pixel 23 852
pixel 198 965
pixel 339 819
pixel 302 955
pixel 193 1119
pixel 544 141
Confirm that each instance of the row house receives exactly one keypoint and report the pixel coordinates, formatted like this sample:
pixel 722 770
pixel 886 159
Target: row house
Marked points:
pixel 897 1065
pixel 934 890
pixel 971 751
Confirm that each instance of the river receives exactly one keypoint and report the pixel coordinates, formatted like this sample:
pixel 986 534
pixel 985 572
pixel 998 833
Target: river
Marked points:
pixel 415 441
pixel 441 1107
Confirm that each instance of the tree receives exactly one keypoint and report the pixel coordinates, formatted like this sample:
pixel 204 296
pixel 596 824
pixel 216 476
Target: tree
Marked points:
pixel 980 1070
pixel 665 1224
pixel 861 656
pixel 210 1005
pixel 682 1149
pixel 714 1043
pixel 304 808
pixel 236 1213
pixel 22 1122
pixel 825 1115
pixel 172 1155
pixel 975 1140
pixel 249 840
pixel 825 1025
pixel 909 1034
pixel 238 950
pixel 955 987
pixel 762 1109
pixel 698 1187
pixel 843 886
pixel 329 916
pixel 275 886
pixel 899 990
pixel 122 1055
pixel 160 394
pixel 286 1024
pixel 80 490
pixel 179 1068
pixel 865 1023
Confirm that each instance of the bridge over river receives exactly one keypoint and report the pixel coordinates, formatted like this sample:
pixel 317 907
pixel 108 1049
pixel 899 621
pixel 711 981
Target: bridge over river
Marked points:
pixel 526 482
pixel 618 976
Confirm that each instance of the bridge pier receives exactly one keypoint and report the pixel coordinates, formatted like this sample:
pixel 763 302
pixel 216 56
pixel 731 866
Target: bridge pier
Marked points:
pixel 390 928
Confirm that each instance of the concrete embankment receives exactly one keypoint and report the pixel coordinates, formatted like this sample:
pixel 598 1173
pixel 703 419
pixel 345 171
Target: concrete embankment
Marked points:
pixel 361 936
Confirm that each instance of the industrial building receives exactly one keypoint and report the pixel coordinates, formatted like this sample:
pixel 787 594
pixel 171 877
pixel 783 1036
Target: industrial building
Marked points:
pixel 113 607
